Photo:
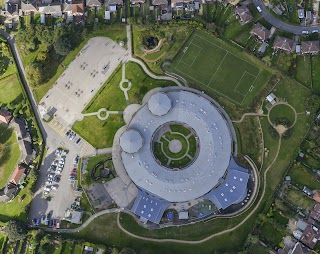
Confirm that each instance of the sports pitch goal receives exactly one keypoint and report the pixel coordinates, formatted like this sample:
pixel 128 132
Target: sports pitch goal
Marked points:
pixel 209 62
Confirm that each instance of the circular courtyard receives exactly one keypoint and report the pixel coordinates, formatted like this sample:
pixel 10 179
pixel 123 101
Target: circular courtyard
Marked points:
pixel 175 145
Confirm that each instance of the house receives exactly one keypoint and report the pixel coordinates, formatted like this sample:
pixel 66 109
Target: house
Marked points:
pixel 271 98
pixel 243 14
pixel 18 175
pixel 113 2
pixel 261 32
pixel 28 8
pixel 310 47
pixel 27 152
pixel 315 212
pixel 284 44
pixel 10 13
pixel 88 249
pixel 163 3
pixel 316 196
pixel 74 10
pixel 298 248
pixel 53 10
pixel 5 117
pixel 183 215
pixel 67 11
pixel 301 224
pixel 93 3
pixel 310 236
pixel 137 1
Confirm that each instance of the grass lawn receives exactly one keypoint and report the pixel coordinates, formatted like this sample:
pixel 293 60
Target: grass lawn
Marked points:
pixel 141 82
pixel 99 133
pixel 304 177
pixel 10 89
pixel 165 46
pixel 67 248
pixel 9 154
pixel 303 70
pixel 110 96
pixel 315 60
pixel 271 234
pixel 78 248
pixel 211 67
pixel 282 111
pixel 298 199
pixel 91 163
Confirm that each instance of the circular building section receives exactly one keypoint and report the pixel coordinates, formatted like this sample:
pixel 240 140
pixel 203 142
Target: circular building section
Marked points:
pixel 159 104
pixel 212 153
pixel 131 141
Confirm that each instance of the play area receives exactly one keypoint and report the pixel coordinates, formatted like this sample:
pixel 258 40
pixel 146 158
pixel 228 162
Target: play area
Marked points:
pixel 103 170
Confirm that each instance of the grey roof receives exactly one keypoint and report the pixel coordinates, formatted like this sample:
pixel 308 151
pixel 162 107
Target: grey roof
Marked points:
pixel 66 7
pixel 233 190
pixel 215 149
pixel 28 6
pixel 51 9
pixel 131 141
pixel 159 2
pixel 159 104
pixel 92 3
pixel 149 208
pixel 114 2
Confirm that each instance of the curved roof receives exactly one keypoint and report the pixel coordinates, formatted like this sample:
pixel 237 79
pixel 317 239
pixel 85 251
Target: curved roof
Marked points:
pixel 204 173
pixel 131 141
pixel 159 104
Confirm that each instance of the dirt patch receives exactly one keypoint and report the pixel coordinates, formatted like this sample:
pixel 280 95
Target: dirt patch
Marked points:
pixel 281 129
pixel 292 225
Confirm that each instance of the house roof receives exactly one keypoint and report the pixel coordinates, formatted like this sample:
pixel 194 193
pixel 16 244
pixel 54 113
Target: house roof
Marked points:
pixel 283 43
pixel 66 7
pixel 11 8
pixel 137 1
pixel 243 13
pixel 17 174
pixel 28 6
pixel 114 2
pixel 315 212
pixel 5 117
pixel 50 9
pixel 310 236
pixel 77 8
pixel 316 196
pixel 76 217
pixel 93 3
pixel 159 2
pixel 301 224
pixel 260 31
pixel 300 249
pixel 308 47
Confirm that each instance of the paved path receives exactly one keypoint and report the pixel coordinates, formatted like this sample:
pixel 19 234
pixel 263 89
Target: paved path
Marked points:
pixel 248 114
pixel 104 151
pixel 295 29
pixel 286 104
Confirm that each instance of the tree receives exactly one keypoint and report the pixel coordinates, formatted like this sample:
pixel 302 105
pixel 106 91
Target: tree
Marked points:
pixel 35 74
pixel 42 56
pixel 127 251
pixel 62 46
pixel 14 231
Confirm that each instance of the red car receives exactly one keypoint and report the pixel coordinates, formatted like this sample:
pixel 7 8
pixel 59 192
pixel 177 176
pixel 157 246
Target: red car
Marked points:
pixel 54 224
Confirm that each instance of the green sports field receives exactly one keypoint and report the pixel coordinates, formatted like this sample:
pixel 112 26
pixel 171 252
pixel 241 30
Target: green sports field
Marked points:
pixel 211 63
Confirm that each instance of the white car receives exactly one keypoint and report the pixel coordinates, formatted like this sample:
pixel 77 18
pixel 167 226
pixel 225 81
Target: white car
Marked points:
pixel 51 175
pixel 305 32
pixel 48 188
pixel 53 187
pixel 45 193
pixel 259 9
pixel 315 31
pixel 58 224
pixel 48 182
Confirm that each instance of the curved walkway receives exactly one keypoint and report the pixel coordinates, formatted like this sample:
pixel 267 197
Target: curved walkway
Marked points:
pixel 286 104
pixel 213 235
pixel 248 114
pixel 173 74
pixel 295 29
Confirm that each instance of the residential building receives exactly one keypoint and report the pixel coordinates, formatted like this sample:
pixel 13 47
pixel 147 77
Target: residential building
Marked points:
pixel 52 10
pixel 310 236
pixel 261 32
pixel 18 175
pixel 298 248
pixel 163 3
pixel 137 1
pixel 28 8
pixel 307 191
pixel 316 195
pixel 310 47
pixel 271 98
pixel 284 44
pixel 10 13
pixel 5 117
pixel 301 13
pixel 114 2
pixel 93 3
pixel 243 14
pixel 315 212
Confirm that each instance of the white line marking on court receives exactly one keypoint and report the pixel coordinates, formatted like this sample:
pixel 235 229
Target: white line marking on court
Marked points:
pixel 235 89
pixel 218 68
pixel 251 86
pixel 200 48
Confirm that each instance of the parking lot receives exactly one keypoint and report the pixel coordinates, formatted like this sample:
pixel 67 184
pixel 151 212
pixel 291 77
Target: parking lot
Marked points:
pixel 82 79
pixel 56 188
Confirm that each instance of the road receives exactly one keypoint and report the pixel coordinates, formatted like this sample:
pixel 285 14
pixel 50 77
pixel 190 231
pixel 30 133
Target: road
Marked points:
pixel 295 29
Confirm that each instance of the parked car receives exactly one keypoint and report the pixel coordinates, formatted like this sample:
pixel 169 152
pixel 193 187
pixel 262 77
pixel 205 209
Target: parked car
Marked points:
pixel 305 32
pixel 47 189
pixel 38 222
pixel 76 160
pixel 54 187
pixel 46 193
pixel 57 179
pixel 259 9
pixel 51 223
pixel 58 224
pixel 78 141
pixel 58 151
pixel 49 182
